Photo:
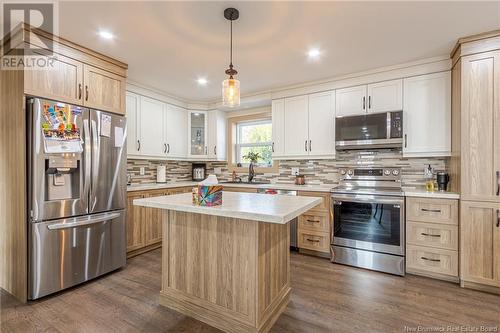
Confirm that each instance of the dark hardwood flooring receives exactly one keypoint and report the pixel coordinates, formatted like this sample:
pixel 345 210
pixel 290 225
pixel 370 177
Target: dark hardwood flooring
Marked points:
pixel 325 298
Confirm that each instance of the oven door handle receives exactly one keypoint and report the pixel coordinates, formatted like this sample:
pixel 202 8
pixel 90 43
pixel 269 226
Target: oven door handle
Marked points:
pixel 368 199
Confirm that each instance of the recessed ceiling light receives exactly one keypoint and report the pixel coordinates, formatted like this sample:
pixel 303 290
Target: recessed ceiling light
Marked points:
pixel 202 81
pixel 313 53
pixel 106 34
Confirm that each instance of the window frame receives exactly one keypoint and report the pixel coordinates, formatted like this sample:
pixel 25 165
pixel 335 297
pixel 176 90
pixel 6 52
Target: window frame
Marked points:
pixel 232 142
pixel 238 146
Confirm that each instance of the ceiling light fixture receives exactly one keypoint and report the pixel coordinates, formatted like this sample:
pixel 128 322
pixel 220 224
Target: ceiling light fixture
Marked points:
pixel 313 53
pixel 106 34
pixel 202 81
pixel 231 86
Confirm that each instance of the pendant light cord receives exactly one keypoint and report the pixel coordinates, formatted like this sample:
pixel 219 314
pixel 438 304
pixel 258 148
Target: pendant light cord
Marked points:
pixel 231 47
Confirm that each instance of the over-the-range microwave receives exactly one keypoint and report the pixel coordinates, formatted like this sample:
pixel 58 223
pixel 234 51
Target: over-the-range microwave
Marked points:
pixel 372 130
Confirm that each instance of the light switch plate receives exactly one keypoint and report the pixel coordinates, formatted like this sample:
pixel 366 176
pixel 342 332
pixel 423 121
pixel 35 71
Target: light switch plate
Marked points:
pixel 142 171
pixel 295 171
pixel 217 171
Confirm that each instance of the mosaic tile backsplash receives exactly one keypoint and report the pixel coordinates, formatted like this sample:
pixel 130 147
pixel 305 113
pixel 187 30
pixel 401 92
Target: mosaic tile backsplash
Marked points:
pixel 318 172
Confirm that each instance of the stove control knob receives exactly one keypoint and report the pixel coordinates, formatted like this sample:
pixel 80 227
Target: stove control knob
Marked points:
pixel 350 172
pixel 342 172
pixel 395 172
pixel 387 172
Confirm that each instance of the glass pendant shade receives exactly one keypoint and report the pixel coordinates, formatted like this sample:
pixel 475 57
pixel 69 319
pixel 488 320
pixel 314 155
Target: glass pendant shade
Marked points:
pixel 230 92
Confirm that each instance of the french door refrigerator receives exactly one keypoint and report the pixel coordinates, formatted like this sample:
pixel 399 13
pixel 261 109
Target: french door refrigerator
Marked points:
pixel 77 195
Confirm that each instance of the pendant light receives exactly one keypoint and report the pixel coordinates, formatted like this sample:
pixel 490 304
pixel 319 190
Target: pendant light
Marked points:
pixel 231 86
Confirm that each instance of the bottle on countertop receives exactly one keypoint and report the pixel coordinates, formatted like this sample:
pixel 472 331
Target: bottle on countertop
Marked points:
pixel 429 179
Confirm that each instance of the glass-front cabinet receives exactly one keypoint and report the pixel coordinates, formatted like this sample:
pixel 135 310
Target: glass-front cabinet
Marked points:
pixel 197 136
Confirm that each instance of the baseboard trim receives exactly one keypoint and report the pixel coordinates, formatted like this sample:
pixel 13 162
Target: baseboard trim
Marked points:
pixel 480 287
pixel 142 250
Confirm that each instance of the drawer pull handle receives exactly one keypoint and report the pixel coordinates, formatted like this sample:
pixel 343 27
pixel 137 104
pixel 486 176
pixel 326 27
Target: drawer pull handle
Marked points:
pixel 430 259
pixel 431 210
pixel 313 221
pixel 312 240
pixel 431 235
pixel 498 183
pixel 498 218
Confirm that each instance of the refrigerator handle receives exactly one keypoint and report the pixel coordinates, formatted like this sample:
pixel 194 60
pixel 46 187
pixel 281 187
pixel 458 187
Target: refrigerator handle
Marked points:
pixel 95 163
pixel 77 222
pixel 87 158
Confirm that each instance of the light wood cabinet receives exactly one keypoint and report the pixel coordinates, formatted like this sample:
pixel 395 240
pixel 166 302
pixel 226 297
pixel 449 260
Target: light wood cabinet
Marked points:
pixel 103 90
pixel 314 226
pixel 136 217
pixel 427 115
pixel 64 82
pixel 480 243
pixel 480 119
pixel 432 237
pixel 144 231
pixel 313 240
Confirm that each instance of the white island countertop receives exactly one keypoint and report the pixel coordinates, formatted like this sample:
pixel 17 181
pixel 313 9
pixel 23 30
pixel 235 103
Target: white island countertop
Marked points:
pixel 248 206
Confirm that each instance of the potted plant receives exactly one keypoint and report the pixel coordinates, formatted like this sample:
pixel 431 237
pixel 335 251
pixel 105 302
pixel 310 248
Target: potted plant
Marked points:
pixel 253 157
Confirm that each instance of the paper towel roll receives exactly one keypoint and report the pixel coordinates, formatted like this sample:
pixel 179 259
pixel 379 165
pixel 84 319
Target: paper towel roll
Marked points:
pixel 161 174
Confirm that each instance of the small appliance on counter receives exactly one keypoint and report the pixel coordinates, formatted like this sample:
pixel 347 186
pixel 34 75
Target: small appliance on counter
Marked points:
pixel 442 179
pixel 199 171
pixel 161 174
pixel 300 180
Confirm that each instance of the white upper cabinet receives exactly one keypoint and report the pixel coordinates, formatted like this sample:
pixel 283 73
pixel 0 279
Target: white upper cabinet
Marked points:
pixel 321 124
pixel 132 111
pixel 217 135
pixel 385 96
pixel 176 131
pixel 427 115
pixel 278 119
pixel 152 127
pixel 304 126
pixel 296 137
pixel 197 134
pixel 350 101
pixel 375 97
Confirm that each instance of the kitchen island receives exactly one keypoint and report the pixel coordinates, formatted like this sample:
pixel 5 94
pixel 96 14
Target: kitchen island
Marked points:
pixel 228 266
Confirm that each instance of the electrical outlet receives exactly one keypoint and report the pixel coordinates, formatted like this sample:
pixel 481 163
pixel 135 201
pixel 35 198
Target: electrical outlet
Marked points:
pixel 217 171
pixel 295 171
pixel 142 171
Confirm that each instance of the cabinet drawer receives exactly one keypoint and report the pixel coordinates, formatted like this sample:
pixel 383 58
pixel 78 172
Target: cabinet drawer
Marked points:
pixel 316 222
pixel 324 206
pixel 314 240
pixel 432 234
pixel 432 260
pixel 432 210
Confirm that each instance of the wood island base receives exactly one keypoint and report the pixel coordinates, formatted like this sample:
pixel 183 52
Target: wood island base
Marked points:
pixel 230 273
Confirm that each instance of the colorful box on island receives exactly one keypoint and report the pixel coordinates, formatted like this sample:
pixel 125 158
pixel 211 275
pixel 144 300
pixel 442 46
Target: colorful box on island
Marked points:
pixel 209 195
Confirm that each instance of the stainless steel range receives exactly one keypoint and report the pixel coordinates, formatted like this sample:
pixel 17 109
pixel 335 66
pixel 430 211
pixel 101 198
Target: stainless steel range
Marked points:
pixel 368 215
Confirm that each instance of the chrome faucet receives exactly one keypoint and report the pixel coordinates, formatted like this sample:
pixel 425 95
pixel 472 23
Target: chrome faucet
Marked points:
pixel 251 172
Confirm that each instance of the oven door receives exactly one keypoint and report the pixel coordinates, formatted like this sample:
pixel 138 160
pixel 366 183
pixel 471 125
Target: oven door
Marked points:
pixel 368 222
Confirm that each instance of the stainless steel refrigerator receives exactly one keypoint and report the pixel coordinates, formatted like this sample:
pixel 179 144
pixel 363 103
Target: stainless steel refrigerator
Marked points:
pixel 77 195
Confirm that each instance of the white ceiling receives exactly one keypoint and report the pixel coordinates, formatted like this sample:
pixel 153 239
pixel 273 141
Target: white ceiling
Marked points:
pixel 169 44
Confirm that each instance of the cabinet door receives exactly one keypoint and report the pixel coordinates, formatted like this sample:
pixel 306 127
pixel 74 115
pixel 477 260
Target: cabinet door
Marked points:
pixel 151 124
pixel 278 119
pixel 135 222
pixel 64 82
pixel 350 101
pixel 103 90
pixel 322 124
pixel 152 224
pixel 217 135
pixel 480 242
pixel 176 131
pixel 427 115
pixel 197 137
pixel 296 126
pixel 480 120
pixel 133 133
pixel 385 96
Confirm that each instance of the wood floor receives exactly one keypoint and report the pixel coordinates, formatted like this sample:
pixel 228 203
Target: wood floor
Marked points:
pixel 325 298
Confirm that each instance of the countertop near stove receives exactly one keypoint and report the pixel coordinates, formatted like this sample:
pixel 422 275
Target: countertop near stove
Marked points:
pixel 422 193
